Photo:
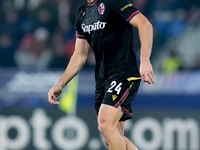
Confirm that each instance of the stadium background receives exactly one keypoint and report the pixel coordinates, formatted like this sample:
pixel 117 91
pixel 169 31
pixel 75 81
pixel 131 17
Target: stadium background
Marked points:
pixel 36 42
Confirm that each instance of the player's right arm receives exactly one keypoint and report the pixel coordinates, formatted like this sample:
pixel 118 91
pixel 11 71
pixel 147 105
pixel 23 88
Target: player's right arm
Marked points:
pixel 76 63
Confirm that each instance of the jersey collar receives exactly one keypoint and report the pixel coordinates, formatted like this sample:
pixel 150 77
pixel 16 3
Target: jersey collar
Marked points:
pixel 92 3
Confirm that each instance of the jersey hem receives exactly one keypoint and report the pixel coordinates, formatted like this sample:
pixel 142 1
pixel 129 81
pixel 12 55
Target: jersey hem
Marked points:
pixel 132 15
pixel 80 36
pixel 134 78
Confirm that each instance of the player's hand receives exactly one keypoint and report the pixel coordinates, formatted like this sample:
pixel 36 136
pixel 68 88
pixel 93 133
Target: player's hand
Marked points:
pixel 53 93
pixel 146 72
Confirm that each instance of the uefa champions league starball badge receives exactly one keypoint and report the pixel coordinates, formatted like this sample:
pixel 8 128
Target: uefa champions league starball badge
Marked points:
pixel 101 9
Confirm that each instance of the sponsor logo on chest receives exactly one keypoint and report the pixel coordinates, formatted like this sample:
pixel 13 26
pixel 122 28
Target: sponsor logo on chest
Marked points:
pixel 93 27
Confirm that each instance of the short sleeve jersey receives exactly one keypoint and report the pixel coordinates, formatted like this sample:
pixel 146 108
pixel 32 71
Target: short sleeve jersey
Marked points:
pixel 105 25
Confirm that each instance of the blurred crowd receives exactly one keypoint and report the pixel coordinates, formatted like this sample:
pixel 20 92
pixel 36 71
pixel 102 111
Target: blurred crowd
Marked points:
pixel 37 35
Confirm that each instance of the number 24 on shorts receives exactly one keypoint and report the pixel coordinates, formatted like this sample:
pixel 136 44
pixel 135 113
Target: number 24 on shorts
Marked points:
pixel 114 86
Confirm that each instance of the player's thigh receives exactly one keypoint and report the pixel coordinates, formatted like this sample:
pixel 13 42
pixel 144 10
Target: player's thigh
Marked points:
pixel 109 115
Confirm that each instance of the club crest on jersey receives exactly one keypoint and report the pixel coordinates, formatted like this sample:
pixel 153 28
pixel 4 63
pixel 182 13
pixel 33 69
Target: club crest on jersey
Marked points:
pixel 101 9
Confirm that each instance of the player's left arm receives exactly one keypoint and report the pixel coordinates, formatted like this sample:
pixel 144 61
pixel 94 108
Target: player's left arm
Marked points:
pixel 145 30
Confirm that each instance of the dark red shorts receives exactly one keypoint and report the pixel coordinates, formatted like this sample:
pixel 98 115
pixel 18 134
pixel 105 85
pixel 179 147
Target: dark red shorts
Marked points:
pixel 118 91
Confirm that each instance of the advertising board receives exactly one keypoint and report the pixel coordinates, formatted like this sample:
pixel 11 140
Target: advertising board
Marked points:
pixel 47 129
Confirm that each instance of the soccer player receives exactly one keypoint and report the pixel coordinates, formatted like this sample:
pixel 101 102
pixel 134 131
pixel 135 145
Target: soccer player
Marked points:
pixel 106 25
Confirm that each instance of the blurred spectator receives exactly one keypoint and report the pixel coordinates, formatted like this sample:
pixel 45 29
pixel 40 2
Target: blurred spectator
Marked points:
pixel 63 15
pixel 171 63
pixel 10 25
pixel 193 16
pixel 60 58
pixel 7 50
pixel 178 24
pixel 45 15
pixel 170 23
pixel 34 53
pixel 70 46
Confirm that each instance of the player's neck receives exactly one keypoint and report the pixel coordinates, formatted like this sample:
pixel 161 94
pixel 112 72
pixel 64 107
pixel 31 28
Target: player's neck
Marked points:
pixel 90 1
